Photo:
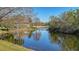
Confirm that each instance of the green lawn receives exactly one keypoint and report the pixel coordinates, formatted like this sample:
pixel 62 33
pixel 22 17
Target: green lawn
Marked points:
pixel 7 46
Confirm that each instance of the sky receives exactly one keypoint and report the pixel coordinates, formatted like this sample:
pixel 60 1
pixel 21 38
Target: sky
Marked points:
pixel 44 12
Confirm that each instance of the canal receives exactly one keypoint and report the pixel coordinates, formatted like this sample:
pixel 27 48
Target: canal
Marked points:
pixel 41 40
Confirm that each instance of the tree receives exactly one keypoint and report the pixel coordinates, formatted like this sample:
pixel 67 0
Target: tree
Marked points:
pixel 68 22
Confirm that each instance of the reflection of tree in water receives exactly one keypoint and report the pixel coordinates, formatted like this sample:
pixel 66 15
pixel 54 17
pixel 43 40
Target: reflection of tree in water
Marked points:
pixel 37 35
pixel 55 38
pixel 70 42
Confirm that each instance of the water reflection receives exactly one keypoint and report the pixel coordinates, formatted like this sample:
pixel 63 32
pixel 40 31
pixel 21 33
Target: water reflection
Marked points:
pixel 42 40
pixel 68 42
pixel 43 43
pixel 55 38
pixel 37 35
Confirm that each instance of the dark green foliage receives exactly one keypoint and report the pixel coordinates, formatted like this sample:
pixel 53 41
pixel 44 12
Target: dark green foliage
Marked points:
pixel 9 37
pixel 67 22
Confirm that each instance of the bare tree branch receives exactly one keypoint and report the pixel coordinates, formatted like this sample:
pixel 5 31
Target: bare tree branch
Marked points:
pixel 5 12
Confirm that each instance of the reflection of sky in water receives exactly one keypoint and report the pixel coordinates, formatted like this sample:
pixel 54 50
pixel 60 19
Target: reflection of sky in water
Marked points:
pixel 42 44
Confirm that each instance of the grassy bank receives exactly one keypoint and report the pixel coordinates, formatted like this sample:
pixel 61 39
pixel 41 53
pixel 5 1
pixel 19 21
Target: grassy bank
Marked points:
pixel 7 46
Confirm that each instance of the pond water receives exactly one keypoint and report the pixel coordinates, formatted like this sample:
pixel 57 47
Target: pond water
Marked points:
pixel 55 42
pixel 42 42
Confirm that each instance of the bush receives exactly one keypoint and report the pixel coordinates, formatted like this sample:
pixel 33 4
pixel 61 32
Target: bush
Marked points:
pixel 10 37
